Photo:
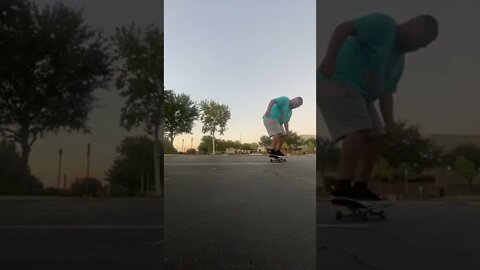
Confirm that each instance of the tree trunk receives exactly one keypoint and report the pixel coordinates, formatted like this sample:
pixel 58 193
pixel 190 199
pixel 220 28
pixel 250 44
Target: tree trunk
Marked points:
pixel 25 150
pixel 25 146
pixel 161 157
pixel 156 162
pixel 171 137
pixel 213 140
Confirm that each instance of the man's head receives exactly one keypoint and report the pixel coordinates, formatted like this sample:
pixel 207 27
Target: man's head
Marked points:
pixel 417 33
pixel 296 102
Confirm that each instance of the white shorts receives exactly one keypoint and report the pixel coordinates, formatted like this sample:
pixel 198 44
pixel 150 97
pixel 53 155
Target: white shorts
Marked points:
pixel 346 112
pixel 273 127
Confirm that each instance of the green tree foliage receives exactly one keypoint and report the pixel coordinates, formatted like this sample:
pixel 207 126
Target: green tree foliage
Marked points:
pixel 15 178
pixel 265 141
pixel 466 169
pixel 328 155
pixel 467 150
pixel 214 117
pixel 408 147
pixel 86 187
pixel 51 62
pixel 135 159
pixel 141 82
pixel 180 114
pixel 293 140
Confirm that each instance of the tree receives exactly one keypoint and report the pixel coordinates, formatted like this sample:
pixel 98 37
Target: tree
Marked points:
pixel 311 144
pixel 50 64
pixel 140 55
pixel 408 148
pixel 466 169
pixel 180 114
pixel 168 147
pixel 293 140
pixel 134 161
pixel 214 118
pixel 81 186
pixel 328 155
pixel 206 145
pixel 382 170
pixel 468 150
pixel 15 178
pixel 265 141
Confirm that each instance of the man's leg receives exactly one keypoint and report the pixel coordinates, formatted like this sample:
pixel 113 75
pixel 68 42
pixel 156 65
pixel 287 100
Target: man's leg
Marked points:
pixel 281 139
pixel 347 118
pixel 369 156
pixel 352 148
pixel 367 159
pixel 275 140
pixel 274 130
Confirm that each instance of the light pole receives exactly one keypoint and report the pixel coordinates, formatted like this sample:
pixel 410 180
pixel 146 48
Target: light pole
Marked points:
pixel 59 167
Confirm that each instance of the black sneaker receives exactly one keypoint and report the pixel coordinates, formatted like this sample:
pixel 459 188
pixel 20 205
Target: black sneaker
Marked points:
pixel 278 153
pixel 365 195
pixel 345 192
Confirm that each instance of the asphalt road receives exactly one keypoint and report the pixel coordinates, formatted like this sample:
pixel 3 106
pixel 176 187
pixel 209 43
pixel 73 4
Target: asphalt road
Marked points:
pixel 56 233
pixel 415 235
pixel 240 212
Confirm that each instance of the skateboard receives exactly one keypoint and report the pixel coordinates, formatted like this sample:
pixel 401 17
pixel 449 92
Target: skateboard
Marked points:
pixel 360 209
pixel 277 158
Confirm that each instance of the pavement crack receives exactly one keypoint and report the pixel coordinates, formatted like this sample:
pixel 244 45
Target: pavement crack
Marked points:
pixel 359 260
pixel 291 178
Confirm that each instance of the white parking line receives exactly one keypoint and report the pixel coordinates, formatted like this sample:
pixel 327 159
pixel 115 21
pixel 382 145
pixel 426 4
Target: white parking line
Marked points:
pixel 55 227
pixel 344 225
pixel 218 164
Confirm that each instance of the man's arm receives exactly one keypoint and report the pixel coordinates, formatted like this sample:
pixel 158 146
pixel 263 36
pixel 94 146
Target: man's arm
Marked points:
pixel 341 33
pixel 286 127
pixel 269 108
pixel 386 107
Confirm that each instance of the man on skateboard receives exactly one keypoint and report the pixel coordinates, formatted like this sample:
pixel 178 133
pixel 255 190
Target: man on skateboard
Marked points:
pixel 364 63
pixel 276 120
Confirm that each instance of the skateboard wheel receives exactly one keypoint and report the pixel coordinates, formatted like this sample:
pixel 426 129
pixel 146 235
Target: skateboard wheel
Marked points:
pixel 338 215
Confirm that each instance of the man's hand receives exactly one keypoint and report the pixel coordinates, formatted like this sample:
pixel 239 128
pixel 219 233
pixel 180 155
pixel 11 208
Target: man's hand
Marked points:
pixel 327 68
pixel 341 33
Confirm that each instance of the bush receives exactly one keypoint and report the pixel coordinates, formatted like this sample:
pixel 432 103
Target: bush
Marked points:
pixel 191 151
pixel 81 186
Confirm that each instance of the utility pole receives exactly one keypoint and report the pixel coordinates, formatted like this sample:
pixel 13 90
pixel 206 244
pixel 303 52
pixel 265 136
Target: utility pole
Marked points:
pixel 88 168
pixel 59 167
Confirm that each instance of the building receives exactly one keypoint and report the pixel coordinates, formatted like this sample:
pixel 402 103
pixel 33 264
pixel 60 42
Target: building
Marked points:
pixel 451 141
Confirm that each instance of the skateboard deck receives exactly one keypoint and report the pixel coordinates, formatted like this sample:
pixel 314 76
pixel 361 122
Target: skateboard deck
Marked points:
pixel 277 158
pixel 360 209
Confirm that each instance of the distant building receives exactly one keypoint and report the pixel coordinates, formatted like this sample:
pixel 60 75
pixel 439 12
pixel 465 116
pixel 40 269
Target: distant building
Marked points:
pixel 451 141
pixel 306 137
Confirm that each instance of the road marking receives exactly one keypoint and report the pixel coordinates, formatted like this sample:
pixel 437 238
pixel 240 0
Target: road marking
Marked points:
pixel 55 227
pixel 217 164
pixel 344 225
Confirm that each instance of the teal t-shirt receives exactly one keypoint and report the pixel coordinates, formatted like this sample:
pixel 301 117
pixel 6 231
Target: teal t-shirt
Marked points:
pixel 281 111
pixel 373 49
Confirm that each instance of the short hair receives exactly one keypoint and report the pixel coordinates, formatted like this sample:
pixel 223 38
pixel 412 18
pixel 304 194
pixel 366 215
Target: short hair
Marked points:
pixel 430 24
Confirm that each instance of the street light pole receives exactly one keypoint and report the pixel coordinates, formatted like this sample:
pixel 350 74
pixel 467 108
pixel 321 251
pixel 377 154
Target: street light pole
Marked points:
pixel 59 167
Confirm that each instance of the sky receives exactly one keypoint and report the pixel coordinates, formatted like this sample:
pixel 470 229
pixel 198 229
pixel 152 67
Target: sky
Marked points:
pixel 106 133
pixel 242 54
pixel 439 88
